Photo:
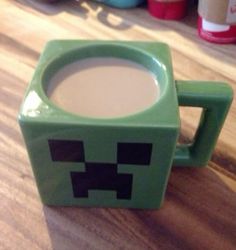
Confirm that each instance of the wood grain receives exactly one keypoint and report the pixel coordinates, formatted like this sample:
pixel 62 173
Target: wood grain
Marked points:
pixel 200 204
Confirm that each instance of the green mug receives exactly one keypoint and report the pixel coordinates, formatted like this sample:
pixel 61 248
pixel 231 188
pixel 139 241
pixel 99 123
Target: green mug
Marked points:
pixel 122 161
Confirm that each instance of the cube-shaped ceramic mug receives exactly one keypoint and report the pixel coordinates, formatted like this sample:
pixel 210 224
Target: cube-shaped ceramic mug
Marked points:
pixel 116 162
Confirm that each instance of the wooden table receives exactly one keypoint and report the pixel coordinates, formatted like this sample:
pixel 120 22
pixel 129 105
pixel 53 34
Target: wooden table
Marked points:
pixel 200 206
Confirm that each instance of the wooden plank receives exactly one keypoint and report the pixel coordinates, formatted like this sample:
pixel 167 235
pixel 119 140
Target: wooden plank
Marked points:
pixel 199 209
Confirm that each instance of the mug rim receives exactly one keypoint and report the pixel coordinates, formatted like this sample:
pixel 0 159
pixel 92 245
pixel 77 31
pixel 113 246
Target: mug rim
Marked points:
pixel 37 109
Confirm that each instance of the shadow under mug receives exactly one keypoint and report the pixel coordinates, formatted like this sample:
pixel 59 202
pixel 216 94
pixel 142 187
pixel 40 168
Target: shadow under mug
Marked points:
pixel 116 162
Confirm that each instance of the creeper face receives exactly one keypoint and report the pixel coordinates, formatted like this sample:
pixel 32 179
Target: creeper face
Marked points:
pixel 80 161
pixel 101 176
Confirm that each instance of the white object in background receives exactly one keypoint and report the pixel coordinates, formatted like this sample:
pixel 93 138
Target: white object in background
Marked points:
pixel 213 27
pixel 231 13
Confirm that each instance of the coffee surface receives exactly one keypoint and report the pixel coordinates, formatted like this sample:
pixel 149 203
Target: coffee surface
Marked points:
pixel 103 87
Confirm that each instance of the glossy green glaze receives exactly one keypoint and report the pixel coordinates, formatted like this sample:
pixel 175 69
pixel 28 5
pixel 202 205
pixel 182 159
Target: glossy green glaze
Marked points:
pixel 215 99
pixel 159 126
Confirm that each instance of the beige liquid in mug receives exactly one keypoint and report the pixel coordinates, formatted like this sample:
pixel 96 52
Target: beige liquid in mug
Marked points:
pixel 103 87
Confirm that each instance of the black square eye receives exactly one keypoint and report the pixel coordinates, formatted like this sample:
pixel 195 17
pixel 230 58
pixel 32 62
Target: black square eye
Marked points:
pixel 134 153
pixel 66 150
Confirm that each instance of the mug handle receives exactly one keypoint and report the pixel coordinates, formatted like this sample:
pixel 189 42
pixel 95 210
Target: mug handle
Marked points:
pixel 215 99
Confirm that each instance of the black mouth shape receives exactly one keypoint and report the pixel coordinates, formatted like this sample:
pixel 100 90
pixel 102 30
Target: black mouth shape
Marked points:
pixel 101 176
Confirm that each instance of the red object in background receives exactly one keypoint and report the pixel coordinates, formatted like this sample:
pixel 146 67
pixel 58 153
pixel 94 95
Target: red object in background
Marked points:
pixel 222 37
pixel 168 10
